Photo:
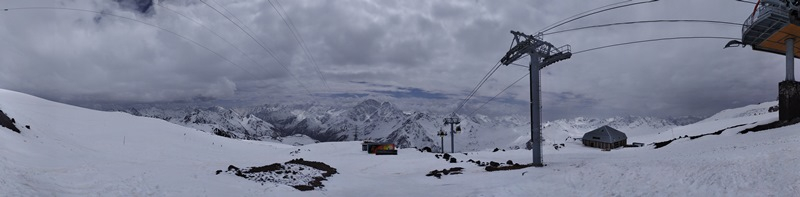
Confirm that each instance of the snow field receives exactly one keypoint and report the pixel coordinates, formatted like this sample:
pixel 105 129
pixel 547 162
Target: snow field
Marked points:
pixel 72 151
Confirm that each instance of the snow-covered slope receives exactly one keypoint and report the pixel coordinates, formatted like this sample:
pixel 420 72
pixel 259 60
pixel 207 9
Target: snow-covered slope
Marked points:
pixel 729 121
pixel 631 125
pixel 72 151
pixel 211 119
pixel 220 121
pixel 750 110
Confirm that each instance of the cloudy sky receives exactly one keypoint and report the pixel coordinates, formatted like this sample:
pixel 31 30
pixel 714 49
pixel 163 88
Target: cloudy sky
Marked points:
pixel 419 54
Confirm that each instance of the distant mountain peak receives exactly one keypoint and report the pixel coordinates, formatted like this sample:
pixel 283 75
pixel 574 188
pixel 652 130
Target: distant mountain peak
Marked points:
pixel 371 109
pixel 368 103
pixel 379 120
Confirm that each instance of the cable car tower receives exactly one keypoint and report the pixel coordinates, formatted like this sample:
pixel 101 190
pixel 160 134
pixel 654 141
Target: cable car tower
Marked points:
pixel 773 27
pixel 542 54
pixel 441 134
pixel 452 121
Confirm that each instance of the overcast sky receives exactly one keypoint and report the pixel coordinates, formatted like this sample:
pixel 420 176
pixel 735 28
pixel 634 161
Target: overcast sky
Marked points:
pixel 419 54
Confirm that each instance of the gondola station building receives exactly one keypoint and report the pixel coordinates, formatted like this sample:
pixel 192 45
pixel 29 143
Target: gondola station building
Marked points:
pixel 605 137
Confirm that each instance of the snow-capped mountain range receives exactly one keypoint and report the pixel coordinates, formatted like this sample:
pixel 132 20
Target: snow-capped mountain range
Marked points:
pixel 217 120
pixel 383 121
pixel 64 150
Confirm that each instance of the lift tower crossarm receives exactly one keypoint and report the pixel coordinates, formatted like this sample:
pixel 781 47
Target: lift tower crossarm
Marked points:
pixel 542 54
pixel 527 44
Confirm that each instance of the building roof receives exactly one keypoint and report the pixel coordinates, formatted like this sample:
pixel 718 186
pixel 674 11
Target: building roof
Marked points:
pixel 605 134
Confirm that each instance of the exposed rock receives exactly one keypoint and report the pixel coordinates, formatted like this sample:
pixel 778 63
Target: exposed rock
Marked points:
pixel 290 173
pixel 7 122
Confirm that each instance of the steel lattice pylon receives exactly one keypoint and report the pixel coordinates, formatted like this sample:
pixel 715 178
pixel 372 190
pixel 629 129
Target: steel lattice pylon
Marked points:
pixel 542 54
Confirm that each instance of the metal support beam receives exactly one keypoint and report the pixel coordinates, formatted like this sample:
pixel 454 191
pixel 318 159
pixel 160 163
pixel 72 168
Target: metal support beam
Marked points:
pixel 790 59
pixel 452 121
pixel 442 144
pixel 536 108
pixel 452 139
pixel 441 134
pixel 542 54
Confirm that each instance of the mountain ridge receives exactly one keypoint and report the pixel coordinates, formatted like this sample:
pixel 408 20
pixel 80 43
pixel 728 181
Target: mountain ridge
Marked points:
pixel 382 121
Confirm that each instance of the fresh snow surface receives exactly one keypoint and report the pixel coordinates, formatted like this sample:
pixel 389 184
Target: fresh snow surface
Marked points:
pixel 750 110
pixel 296 140
pixel 72 151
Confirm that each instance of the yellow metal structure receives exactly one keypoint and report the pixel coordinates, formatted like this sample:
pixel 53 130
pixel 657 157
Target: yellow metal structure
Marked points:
pixel 768 27
pixel 773 27
pixel 776 43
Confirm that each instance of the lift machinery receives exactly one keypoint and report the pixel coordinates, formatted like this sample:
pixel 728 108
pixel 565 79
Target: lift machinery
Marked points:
pixel 774 27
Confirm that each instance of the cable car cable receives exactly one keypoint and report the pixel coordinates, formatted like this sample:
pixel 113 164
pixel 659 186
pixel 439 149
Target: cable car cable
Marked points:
pixel 498 94
pixel 654 40
pixel 603 47
pixel 584 12
pixel 480 84
pixel 213 32
pixel 267 49
pixel 598 11
pixel 644 21
pixel 299 39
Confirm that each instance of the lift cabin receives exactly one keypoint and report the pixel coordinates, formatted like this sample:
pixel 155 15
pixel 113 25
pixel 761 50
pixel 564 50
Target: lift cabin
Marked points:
pixel 773 27
pixel 770 25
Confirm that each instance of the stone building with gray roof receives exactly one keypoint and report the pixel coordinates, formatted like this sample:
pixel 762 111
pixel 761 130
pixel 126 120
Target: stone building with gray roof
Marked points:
pixel 605 137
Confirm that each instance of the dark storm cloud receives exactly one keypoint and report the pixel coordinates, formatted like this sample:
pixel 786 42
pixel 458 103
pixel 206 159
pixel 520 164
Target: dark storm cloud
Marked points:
pixel 360 33
pixel 141 6
pixel 415 53
pixel 344 95
pixel 570 98
pixel 372 84
pixel 401 92
pixel 412 93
